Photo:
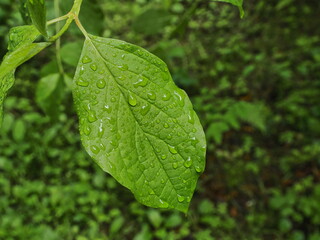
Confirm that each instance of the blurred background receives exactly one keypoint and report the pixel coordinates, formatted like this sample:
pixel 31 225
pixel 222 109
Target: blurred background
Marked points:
pixel 255 84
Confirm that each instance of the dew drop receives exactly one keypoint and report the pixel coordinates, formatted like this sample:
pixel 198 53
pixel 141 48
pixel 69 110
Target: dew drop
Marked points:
pixel 163 157
pixel 191 117
pixel 181 198
pixel 179 97
pixel 194 141
pixel 166 125
pixel 123 67
pixel 188 199
pixel 132 100
pixel 81 70
pixel 166 96
pixel 121 78
pixel 93 67
pixel 87 130
pixel 107 108
pixel 175 165
pixel 188 162
pixel 102 146
pixel 198 169
pixel 101 84
pixel 113 99
pixel 95 149
pixel 151 192
pixel 172 149
pixel 164 204
pixel 162 181
pixel 86 59
pixel 83 83
pixel 92 117
pixel 203 148
pixel 142 82
pixel 152 96
pixel 114 143
pixel 101 130
pixel 145 109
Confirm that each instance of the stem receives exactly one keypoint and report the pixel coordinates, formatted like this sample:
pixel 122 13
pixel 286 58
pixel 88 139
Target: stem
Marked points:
pixel 58 19
pixel 76 19
pixel 76 7
pixel 72 15
pixel 62 30
pixel 58 42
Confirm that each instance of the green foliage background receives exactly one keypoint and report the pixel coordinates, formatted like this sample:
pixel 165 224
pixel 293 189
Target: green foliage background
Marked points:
pixel 255 85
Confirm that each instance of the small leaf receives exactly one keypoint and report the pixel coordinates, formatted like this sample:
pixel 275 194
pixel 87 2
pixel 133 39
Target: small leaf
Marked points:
pixel 19 130
pixel 21 35
pixel 137 124
pixel 38 14
pixel 48 94
pixel 237 3
pixel 21 49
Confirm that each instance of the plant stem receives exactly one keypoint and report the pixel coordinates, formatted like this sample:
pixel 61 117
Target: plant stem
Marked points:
pixel 58 19
pixel 58 42
pixel 76 19
pixel 73 14
pixel 76 7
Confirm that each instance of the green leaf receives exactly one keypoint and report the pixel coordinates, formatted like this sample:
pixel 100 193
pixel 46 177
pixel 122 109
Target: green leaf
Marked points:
pixel 24 12
pixel 137 124
pixel 21 48
pixel 38 14
pixel 70 53
pixel 48 94
pixel 237 3
pixel 19 130
pixel 20 36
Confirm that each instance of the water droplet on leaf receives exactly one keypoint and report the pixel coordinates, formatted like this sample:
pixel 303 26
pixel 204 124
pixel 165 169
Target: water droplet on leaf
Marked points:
pixel 145 109
pixel 188 162
pixel 101 84
pixel 95 149
pixel 83 83
pixel 123 67
pixel 87 130
pixel 166 96
pixel 152 96
pixel 92 117
pixel 108 108
pixel 179 96
pixel 142 82
pixel 93 67
pixel 181 198
pixel 86 59
pixel 132 100
pixel 198 169
pixel 172 149
pixel 191 117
